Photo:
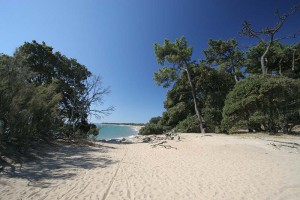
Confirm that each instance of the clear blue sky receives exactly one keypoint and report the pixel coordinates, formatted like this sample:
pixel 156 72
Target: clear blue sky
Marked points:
pixel 115 38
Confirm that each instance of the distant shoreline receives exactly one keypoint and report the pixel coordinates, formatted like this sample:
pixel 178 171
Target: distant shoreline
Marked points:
pixel 118 130
pixel 127 124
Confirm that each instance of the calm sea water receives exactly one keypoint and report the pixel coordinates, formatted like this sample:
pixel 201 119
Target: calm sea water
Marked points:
pixel 108 132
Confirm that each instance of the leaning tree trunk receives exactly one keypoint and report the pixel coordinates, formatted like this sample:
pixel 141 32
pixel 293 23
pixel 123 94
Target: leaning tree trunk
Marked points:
pixel 262 60
pixel 236 79
pixel 198 112
pixel 263 57
pixel 280 70
pixel 293 63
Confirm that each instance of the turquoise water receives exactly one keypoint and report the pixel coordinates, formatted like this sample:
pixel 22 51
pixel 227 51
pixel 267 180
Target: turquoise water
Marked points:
pixel 108 132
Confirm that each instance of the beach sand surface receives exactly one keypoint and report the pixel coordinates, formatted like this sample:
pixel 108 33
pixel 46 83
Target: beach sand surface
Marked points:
pixel 197 166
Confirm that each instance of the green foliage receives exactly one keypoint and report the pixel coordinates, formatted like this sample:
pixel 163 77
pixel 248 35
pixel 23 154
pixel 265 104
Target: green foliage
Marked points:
pixel 175 114
pixel 93 130
pixel 71 77
pixel 154 126
pixel 226 55
pixel 213 78
pixel 211 85
pixel 34 113
pixel 44 95
pixel 177 56
pixel 173 53
pixel 151 129
pixel 174 57
pixel 188 125
pixel 266 103
pixel 259 103
pixel 279 60
pixel 165 76
pixel 155 120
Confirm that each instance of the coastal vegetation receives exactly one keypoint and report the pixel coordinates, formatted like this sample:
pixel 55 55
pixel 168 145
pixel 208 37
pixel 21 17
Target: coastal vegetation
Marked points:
pixel 257 88
pixel 45 95
pixel 263 103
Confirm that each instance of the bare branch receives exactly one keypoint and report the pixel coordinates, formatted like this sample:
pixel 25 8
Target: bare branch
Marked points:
pixel 267 34
pixel 292 36
pixel 94 96
pixel 248 31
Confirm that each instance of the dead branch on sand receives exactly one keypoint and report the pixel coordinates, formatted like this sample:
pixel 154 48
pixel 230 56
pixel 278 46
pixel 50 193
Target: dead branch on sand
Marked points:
pixel 162 145
pixel 291 143
pixel 283 145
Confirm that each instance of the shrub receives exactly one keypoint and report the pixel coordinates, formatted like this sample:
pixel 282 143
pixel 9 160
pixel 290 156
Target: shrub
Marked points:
pixel 189 125
pixel 151 129
pixel 267 103
pixel 155 120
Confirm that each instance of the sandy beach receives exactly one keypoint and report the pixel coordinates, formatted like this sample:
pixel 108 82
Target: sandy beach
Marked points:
pixel 196 167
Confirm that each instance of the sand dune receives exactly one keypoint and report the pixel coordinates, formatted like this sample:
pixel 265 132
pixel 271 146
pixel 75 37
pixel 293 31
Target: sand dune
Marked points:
pixel 209 167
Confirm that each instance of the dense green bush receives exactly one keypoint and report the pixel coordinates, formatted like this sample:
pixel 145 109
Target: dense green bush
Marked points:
pixel 175 114
pixel 151 129
pixel 263 103
pixel 44 94
pixel 189 125
pixel 211 85
pixel 155 120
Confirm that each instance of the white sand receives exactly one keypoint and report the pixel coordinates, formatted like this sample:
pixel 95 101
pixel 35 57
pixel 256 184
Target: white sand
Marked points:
pixel 216 167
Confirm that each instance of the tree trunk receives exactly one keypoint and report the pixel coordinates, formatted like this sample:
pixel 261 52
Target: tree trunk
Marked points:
pixel 263 57
pixel 235 76
pixel 262 62
pixel 280 70
pixel 285 127
pixel 293 63
pixel 198 112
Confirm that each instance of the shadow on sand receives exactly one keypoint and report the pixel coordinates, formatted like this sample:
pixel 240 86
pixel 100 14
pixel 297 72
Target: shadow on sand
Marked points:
pixel 52 164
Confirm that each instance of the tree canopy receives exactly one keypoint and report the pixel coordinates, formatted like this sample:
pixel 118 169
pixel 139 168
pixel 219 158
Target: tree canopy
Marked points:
pixel 45 95
pixel 263 103
pixel 175 57
pixel 231 88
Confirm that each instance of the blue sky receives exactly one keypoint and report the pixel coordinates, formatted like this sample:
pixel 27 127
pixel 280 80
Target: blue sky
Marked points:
pixel 115 38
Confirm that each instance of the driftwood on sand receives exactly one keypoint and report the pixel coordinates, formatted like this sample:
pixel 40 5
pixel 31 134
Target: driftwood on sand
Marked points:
pixel 277 146
pixel 160 141
pixel 162 144
pixel 293 145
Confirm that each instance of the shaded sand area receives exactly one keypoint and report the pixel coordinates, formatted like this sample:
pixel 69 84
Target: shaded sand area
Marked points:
pixel 198 167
